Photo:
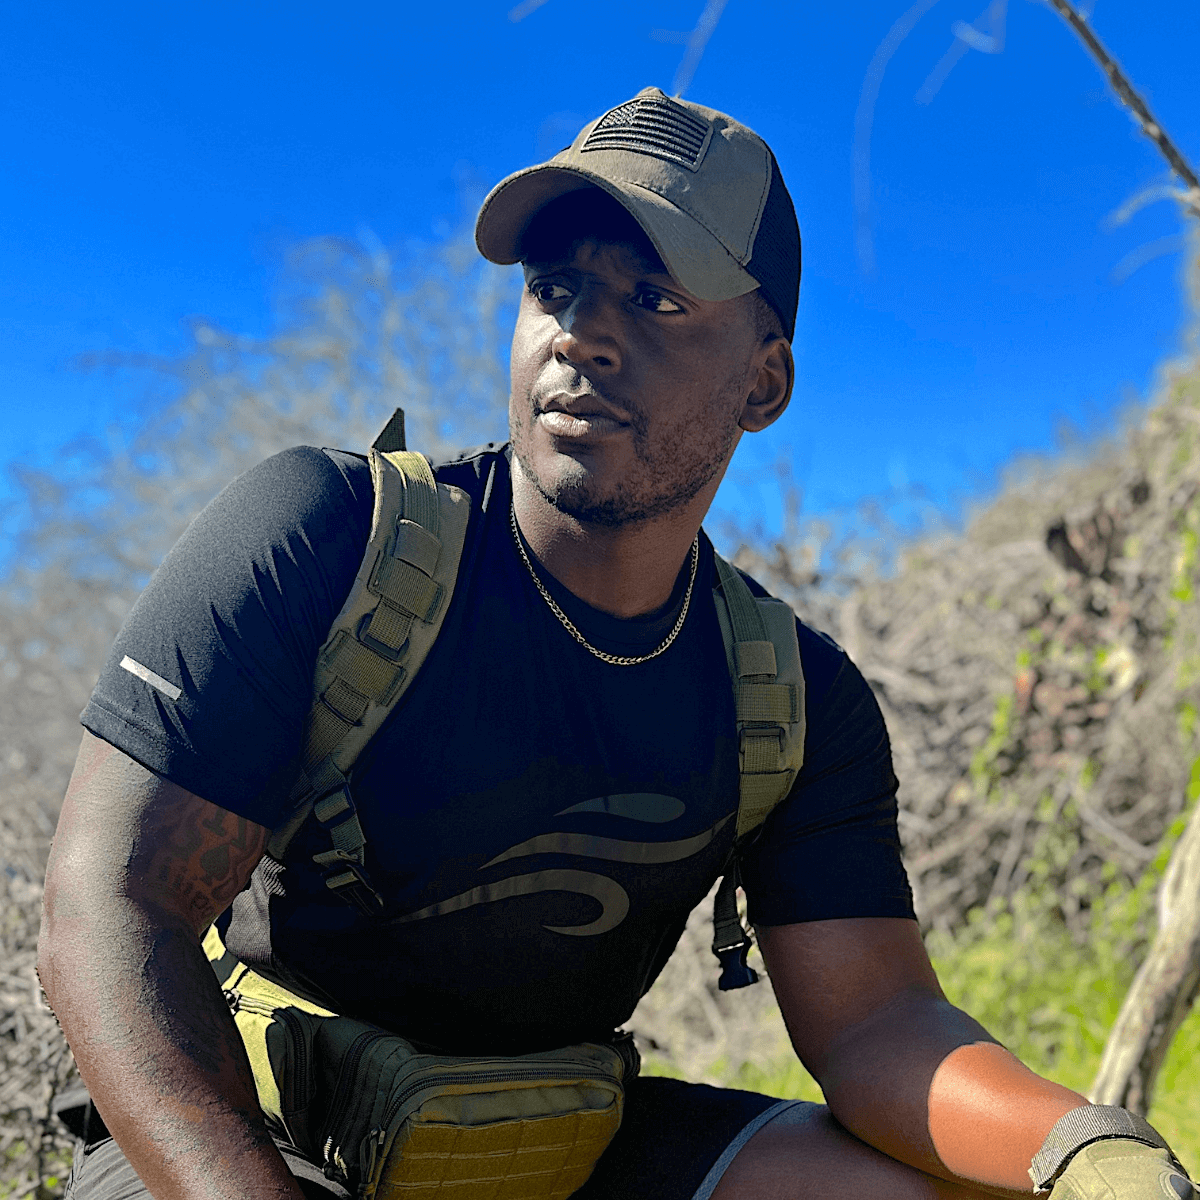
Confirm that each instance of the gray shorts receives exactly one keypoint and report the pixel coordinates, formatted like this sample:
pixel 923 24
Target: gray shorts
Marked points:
pixel 675 1143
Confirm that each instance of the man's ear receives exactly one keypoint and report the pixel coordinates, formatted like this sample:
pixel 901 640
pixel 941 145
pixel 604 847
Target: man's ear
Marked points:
pixel 773 388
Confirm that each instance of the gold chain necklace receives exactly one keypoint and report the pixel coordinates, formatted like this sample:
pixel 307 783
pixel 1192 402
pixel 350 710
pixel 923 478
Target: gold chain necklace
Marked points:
pixel 616 660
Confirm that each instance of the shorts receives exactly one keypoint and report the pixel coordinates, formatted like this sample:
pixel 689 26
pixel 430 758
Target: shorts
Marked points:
pixel 676 1141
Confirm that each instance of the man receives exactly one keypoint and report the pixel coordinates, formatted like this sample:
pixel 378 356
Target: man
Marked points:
pixel 575 712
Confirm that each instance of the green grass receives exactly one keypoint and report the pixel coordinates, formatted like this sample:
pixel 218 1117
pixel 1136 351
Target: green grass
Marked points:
pixel 51 1187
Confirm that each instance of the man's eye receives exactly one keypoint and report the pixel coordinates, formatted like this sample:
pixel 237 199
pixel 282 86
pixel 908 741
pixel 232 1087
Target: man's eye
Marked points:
pixel 656 301
pixel 549 293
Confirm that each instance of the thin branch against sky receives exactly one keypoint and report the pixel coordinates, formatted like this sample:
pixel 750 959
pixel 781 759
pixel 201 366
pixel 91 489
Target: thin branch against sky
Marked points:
pixel 1139 200
pixel 985 34
pixel 697 41
pixel 1136 259
pixel 863 120
pixel 521 11
pixel 1150 125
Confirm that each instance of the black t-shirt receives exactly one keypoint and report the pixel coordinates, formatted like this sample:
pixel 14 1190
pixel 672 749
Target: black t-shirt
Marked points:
pixel 540 822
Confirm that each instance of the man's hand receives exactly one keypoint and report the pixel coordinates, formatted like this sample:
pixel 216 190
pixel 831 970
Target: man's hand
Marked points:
pixel 1119 1169
pixel 139 868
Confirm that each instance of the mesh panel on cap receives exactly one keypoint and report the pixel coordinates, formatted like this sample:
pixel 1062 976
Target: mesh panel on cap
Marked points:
pixel 775 258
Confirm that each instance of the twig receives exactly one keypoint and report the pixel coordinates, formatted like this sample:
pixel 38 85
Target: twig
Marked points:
pixel 1135 204
pixel 1135 260
pixel 521 11
pixel 1164 989
pixel 966 37
pixel 1150 125
pixel 697 41
pixel 864 118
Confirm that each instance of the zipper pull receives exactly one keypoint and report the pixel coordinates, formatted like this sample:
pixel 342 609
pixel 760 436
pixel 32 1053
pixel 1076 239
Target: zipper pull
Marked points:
pixel 366 1189
pixel 329 1167
pixel 232 998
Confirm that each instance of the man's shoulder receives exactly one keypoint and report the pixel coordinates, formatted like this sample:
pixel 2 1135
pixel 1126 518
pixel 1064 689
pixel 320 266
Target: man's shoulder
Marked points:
pixel 307 481
pixel 475 470
pixel 819 653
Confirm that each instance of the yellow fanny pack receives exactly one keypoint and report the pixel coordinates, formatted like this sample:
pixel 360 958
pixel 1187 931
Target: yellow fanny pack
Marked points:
pixel 392 1123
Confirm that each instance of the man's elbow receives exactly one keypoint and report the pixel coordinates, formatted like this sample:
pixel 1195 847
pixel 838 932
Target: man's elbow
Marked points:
pixel 74 913
pixel 53 955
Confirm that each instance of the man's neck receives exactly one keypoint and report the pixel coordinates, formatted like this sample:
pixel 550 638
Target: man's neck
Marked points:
pixel 627 570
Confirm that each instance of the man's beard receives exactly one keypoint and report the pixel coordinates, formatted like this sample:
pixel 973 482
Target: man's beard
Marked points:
pixel 578 498
pixel 681 478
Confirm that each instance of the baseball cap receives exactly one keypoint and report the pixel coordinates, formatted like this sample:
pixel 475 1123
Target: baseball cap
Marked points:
pixel 706 189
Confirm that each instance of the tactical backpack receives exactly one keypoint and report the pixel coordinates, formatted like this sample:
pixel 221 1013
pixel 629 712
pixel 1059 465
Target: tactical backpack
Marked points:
pixel 386 1119
pixel 388 625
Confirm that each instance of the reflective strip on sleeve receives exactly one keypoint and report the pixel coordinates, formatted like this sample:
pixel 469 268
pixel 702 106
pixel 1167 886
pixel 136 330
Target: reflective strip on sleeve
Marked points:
pixel 148 676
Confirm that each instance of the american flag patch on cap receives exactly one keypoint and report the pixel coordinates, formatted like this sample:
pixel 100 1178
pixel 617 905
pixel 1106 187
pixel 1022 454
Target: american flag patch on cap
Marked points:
pixel 652 125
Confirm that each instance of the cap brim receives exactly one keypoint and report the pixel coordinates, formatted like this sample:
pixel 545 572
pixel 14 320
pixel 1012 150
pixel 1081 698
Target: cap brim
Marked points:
pixel 693 256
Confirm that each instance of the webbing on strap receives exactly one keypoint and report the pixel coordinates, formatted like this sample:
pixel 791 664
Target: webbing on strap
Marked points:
pixel 768 695
pixel 768 699
pixel 375 647
pixel 1082 1126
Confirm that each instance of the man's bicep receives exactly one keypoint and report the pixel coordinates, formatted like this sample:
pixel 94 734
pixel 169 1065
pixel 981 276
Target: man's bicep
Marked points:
pixel 126 831
pixel 830 976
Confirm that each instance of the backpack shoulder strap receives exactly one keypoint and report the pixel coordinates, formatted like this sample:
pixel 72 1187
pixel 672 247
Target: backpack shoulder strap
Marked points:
pixel 375 647
pixel 763 654
pixel 768 694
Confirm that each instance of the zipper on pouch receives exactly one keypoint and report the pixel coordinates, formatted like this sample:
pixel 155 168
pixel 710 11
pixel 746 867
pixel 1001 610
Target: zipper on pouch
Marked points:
pixel 298 1043
pixel 334 1167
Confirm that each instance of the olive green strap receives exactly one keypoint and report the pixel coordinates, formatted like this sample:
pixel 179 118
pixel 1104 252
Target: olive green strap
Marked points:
pixel 731 943
pixel 1082 1126
pixel 375 647
pixel 768 699
pixel 768 694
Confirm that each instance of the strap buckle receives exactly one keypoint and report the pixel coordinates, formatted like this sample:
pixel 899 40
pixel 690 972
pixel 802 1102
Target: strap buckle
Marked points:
pixel 735 971
pixel 344 871
pixel 372 643
pixel 751 747
pixel 354 886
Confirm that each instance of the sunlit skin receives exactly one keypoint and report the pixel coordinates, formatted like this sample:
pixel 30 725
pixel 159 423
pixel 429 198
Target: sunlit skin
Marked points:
pixel 629 396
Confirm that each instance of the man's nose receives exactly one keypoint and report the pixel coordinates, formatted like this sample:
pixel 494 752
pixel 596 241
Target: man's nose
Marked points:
pixel 588 333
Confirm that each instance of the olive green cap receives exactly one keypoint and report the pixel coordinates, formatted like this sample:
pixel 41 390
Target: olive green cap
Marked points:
pixel 705 188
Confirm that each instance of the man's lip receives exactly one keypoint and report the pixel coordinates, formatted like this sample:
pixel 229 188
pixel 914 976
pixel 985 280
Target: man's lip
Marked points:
pixel 583 408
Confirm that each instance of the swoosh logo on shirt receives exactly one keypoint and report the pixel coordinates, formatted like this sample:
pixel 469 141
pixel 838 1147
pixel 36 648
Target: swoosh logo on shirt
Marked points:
pixel 588 845
pixel 636 806
pixel 614 900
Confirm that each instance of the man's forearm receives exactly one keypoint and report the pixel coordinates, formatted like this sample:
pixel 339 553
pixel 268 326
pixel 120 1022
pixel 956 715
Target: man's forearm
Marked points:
pixel 926 1084
pixel 160 1054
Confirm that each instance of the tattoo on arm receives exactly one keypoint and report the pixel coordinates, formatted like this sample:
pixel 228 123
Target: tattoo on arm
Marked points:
pixel 200 854
pixel 138 869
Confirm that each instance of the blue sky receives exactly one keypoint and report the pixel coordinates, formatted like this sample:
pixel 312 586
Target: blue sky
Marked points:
pixel 158 161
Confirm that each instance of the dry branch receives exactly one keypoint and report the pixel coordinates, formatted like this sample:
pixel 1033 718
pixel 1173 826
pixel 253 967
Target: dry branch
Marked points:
pixel 1128 96
pixel 1164 989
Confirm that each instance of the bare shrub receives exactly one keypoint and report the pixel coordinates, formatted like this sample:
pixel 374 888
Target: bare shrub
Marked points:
pixel 362 334
pixel 1038 673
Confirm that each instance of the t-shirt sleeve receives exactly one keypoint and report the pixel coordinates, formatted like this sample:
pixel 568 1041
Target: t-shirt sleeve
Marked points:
pixel 832 848
pixel 209 681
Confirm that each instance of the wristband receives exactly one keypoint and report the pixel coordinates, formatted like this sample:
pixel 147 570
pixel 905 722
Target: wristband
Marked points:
pixel 1082 1126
